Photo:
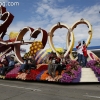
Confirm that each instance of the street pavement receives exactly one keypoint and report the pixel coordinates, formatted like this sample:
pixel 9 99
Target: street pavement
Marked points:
pixel 21 90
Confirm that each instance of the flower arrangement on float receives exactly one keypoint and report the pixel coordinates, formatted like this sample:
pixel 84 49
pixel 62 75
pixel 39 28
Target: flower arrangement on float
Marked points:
pixel 13 73
pixel 72 71
pixel 21 76
pixel 56 78
pixel 34 73
pixel 94 65
pixel 39 75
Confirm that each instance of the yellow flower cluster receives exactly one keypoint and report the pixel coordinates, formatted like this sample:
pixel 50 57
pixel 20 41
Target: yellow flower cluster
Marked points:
pixel 34 48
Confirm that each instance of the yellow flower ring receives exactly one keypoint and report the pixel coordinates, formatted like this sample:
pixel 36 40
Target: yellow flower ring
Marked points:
pixel 82 21
pixel 50 35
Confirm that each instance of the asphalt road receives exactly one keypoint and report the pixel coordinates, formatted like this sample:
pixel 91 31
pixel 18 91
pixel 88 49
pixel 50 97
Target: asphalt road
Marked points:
pixel 20 90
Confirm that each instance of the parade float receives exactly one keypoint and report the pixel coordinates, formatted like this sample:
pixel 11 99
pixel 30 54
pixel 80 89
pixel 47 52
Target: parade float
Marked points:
pixel 74 73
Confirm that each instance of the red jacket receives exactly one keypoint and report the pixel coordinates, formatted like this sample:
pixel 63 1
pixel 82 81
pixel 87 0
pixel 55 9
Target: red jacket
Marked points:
pixel 85 51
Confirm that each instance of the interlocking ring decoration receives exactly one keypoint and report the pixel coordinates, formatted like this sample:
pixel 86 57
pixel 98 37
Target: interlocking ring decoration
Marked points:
pixel 82 21
pixel 70 36
pixel 8 46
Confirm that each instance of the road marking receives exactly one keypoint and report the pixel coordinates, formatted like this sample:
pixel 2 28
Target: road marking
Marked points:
pixel 20 87
pixel 91 96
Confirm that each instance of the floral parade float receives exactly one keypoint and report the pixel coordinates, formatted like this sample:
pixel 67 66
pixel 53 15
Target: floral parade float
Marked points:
pixel 73 71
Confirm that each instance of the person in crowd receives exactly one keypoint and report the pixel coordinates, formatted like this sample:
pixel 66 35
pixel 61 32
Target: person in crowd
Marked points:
pixel 10 66
pixel 50 63
pixel 62 64
pixel 23 66
pixel 31 64
pixel 57 60
pixel 55 65
pixel 80 53
pixel 3 63
pixel 85 54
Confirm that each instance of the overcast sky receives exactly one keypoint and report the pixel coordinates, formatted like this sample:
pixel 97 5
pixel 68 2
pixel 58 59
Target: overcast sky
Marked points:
pixel 46 13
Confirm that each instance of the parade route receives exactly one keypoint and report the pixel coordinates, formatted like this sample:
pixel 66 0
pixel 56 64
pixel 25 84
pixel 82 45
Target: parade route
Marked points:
pixel 20 90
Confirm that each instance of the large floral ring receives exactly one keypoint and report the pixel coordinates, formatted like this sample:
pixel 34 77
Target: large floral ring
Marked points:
pixel 82 21
pixel 70 36
pixel 51 33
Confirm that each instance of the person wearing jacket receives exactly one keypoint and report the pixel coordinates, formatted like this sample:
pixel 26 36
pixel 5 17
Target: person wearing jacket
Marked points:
pixel 23 66
pixel 31 64
pixel 10 66
pixel 80 53
pixel 85 54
